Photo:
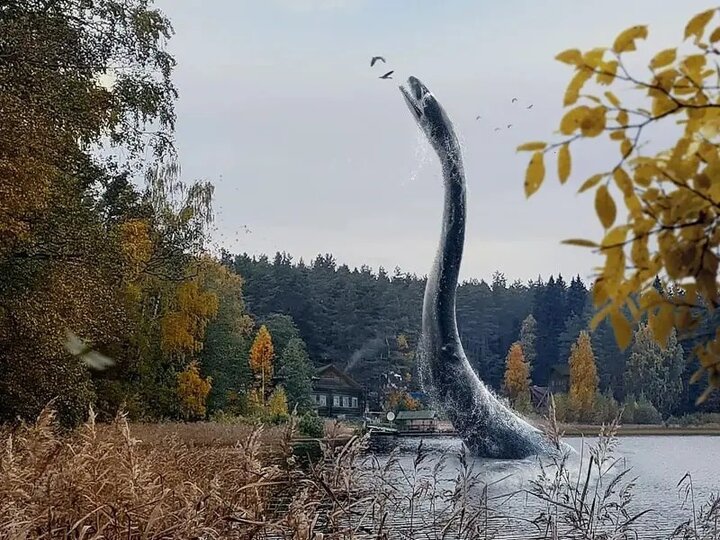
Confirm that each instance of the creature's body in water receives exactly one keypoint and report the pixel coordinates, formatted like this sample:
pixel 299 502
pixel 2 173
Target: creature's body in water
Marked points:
pixel 488 427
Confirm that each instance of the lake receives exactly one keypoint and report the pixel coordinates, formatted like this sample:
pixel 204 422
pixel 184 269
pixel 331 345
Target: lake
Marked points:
pixel 656 465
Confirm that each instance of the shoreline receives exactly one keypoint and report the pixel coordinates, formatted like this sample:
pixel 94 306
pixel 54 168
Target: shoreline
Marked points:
pixel 587 430
pixel 635 430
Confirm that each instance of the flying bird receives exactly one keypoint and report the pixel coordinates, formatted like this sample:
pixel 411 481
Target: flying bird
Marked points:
pixel 478 117
pixel 93 359
pixel 513 100
pixel 497 129
pixel 509 126
pixel 375 59
pixel 529 106
pixel 387 75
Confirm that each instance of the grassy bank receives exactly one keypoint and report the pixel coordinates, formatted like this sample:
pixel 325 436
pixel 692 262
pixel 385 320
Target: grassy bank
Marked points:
pixel 243 481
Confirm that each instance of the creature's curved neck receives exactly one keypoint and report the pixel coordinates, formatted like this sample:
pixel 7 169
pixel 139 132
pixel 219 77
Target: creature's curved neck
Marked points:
pixel 444 277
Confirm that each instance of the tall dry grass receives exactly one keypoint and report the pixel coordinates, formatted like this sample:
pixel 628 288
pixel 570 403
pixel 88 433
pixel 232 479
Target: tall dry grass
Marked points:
pixel 214 481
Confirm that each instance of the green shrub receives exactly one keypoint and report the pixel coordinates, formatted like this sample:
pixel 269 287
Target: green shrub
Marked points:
pixel 606 408
pixel 563 412
pixel 641 412
pixel 311 425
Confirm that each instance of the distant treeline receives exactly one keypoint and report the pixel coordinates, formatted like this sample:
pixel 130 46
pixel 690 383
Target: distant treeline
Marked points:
pixel 368 322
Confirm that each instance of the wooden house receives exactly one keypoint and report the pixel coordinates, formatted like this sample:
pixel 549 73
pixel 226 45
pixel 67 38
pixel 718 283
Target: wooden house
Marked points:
pixel 337 395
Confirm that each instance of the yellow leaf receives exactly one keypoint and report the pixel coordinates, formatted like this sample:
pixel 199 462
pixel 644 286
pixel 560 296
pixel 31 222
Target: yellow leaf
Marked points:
pixel 696 25
pixel 581 242
pixel 623 118
pixel 614 238
pixel 591 182
pixel 599 316
pixel 531 146
pixel 662 323
pixel 594 57
pixel 564 163
pixel 692 66
pixel 535 174
pixel 644 174
pixel 593 123
pixel 599 291
pixel 625 148
pixel 572 119
pixel 650 298
pixel 612 98
pixel 662 104
pixel 570 56
pixel 617 135
pixel 607 72
pixel 605 207
pixel 697 376
pixel 572 93
pixel 623 181
pixel 715 36
pixel 621 327
pixel 626 40
pixel 663 58
pixel 706 394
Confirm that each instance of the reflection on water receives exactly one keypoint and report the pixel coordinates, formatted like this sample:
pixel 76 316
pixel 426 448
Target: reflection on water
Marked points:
pixel 657 463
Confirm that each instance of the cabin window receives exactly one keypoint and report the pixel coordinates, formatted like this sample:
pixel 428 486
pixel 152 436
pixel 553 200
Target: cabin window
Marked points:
pixel 354 403
pixel 346 402
pixel 336 401
pixel 322 400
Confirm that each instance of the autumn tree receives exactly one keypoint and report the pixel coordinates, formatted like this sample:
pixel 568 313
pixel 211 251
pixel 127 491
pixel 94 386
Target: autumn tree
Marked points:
pixel 277 405
pixel 225 352
pixel 192 392
pixel 655 372
pixel 261 359
pixel 583 377
pixel 401 400
pixel 669 223
pixel 517 374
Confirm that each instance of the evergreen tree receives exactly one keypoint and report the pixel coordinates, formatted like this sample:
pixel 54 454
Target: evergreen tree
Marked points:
pixel 655 372
pixel 548 309
pixel 528 332
pixel 283 330
pixel 296 373
pixel 577 297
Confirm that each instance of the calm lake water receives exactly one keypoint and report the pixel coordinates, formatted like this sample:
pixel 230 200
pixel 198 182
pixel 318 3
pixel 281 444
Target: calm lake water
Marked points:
pixel 659 463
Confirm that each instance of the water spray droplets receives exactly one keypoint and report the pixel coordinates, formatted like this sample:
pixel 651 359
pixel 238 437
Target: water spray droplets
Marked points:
pixel 422 156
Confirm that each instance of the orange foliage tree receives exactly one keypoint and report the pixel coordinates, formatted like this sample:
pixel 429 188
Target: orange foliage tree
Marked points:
pixel 402 401
pixel 583 377
pixel 517 373
pixel 261 358
pixel 192 392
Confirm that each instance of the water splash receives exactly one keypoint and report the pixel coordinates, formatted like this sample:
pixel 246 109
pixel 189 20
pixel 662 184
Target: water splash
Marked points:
pixel 422 157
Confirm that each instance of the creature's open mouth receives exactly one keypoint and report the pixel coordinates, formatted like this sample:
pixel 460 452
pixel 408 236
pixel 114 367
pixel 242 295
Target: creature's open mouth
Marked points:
pixel 414 96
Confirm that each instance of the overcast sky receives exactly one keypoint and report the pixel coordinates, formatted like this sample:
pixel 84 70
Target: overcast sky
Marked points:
pixel 313 153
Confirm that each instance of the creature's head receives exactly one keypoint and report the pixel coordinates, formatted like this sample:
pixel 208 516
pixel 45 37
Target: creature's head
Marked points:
pixel 430 116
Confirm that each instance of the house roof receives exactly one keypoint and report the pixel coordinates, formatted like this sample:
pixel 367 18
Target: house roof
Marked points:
pixel 562 370
pixel 416 415
pixel 330 375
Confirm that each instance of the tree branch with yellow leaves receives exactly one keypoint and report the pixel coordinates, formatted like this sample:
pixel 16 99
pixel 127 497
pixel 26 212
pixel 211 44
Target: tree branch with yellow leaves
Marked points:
pixel 672 197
